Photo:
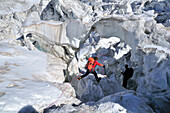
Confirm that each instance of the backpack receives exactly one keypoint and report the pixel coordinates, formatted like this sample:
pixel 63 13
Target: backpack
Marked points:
pixel 90 63
pixel 130 74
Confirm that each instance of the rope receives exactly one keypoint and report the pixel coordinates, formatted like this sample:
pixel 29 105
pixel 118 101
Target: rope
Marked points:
pixel 100 55
pixel 65 90
pixel 62 92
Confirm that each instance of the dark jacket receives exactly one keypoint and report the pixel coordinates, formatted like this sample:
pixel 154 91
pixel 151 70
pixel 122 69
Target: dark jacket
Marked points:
pixel 128 73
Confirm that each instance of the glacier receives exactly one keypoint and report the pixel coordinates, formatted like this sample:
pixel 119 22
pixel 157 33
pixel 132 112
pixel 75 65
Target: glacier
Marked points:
pixel 44 46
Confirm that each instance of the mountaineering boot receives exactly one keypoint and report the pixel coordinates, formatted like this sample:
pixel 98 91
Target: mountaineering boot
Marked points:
pixel 78 78
pixel 99 79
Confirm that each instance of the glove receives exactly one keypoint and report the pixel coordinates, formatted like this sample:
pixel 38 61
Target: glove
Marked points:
pixel 103 66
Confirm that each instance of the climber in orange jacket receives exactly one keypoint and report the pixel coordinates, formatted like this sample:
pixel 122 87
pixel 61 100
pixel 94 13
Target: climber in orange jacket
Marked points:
pixel 90 66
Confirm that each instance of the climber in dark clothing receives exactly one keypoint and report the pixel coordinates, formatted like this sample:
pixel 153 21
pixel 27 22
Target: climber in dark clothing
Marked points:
pixel 91 68
pixel 126 75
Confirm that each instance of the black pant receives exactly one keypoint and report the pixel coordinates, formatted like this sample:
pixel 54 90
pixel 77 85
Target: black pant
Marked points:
pixel 93 72
pixel 125 79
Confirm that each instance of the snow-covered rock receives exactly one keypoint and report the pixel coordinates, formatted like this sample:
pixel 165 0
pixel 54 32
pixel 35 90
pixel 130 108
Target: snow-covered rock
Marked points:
pixel 123 102
pixel 131 101
pixel 161 8
pixel 98 108
pixel 43 4
pixel 14 14
pixel 32 18
pixel 12 6
pixel 62 10
pixel 9 27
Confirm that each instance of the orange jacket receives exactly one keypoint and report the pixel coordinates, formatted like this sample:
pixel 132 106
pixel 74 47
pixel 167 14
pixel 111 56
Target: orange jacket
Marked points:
pixel 96 63
pixel 91 64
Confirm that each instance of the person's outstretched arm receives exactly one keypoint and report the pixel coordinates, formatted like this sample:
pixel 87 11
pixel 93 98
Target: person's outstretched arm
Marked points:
pixel 97 63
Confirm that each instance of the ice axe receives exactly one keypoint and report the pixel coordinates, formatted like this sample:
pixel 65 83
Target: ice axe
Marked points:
pixel 119 75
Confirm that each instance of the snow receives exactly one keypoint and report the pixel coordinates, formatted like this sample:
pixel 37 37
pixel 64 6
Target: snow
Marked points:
pixel 25 79
pixel 159 48
pixel 50 22
pixel 31 93
pixel 12 6
pixel 18 62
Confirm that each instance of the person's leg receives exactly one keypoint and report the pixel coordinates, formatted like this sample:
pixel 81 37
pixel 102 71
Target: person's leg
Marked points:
pixel 87 72
pixel 95 74
pixel 124 82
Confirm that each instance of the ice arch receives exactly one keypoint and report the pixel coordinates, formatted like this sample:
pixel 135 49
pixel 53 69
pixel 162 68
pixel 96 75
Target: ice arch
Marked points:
pixel 150 54
pixel 139 33
pixel 125 30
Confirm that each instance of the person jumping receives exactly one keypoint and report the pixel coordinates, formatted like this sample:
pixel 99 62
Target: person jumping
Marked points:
pixel 90 66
